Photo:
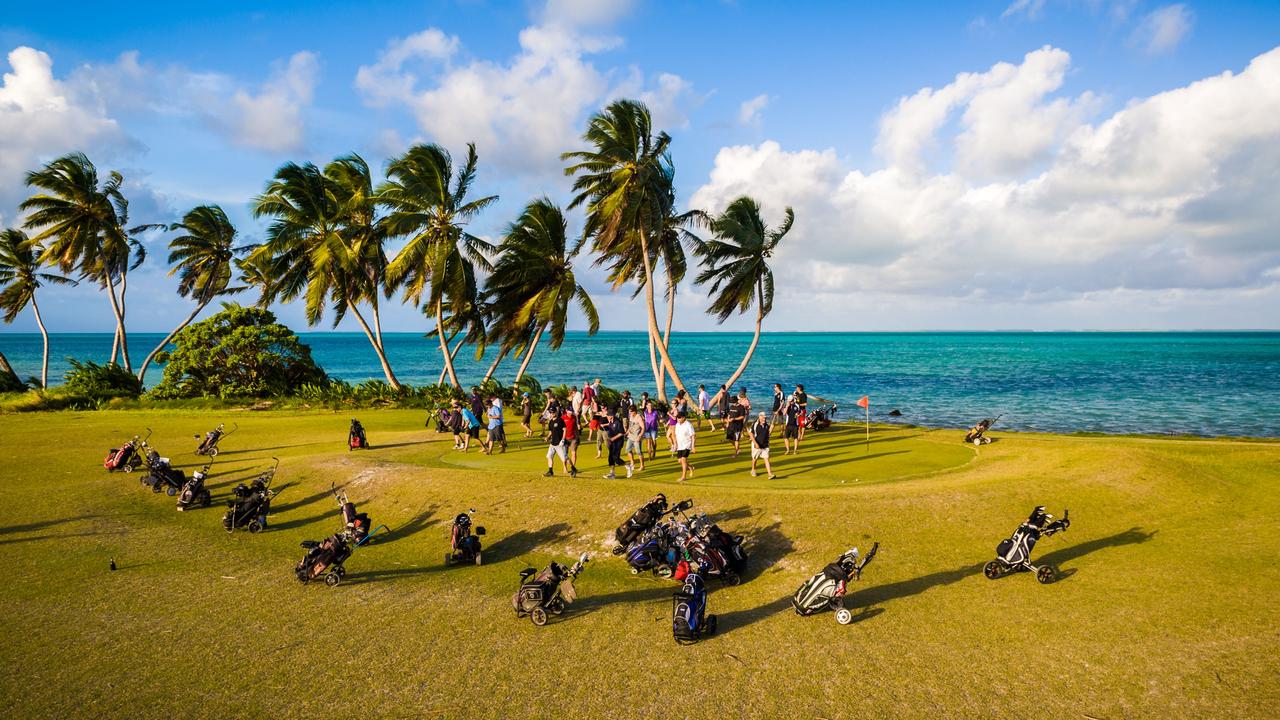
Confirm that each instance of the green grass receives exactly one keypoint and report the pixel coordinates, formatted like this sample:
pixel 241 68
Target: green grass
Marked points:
pixel 1168 607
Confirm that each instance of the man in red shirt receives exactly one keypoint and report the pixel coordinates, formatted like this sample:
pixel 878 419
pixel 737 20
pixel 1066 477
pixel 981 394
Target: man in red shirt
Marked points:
pixel 571 439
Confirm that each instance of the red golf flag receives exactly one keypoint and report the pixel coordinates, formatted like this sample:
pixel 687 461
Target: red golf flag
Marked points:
pixel 864 402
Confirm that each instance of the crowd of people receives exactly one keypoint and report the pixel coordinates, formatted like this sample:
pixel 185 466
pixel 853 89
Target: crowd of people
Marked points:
pixel 626 431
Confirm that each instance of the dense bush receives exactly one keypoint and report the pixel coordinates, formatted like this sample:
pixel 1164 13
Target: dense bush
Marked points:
pixel 239 352
pixel 99 382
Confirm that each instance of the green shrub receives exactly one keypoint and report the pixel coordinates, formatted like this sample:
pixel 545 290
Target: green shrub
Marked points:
pixel 239 352
pixel 91 380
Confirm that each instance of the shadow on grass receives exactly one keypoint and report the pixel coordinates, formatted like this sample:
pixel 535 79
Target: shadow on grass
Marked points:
pixel 1132 536
pixel 875 594
pixel 524 542
pixel 368 576
pixel 730 621
pixel 765 547
pixel 41 525
pixel 407 443
pixel 66 536
pixel 414 525
pixel 302 502
pixel 222 452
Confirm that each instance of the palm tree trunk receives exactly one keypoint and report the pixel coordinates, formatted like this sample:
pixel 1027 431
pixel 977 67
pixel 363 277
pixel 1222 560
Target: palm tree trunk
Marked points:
pixel 444 347
pixel 494 367
pixel 528 355
pixel 118 309
pixel 653 313
pixel 115 346
pixel 142 372
pixel 658 372
pixel 7 369
pixel 755 340
pixel 666 334
pixel 452 354
pixel 377 348
pixel 44 335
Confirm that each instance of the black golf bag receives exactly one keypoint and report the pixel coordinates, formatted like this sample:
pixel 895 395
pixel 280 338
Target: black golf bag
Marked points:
pixel 978 433
pixel 162 476
pixel 209 445
pixel 194 492
pixel 356 439
pixel 1014 553
pixel 325 558
pixel 549 591
pixel 827 588
pixel 464 544
pixel 721 553
pixel 442 421
pixel 250 504
pixel 689 618
pixel 821 418
pixel 640 521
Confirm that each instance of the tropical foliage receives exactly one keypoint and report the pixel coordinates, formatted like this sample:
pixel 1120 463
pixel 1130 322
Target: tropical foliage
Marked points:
pixel 101 382
pixel 20 277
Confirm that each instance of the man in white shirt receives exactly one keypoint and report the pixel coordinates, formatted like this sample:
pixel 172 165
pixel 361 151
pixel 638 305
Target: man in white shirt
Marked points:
pixel 686 443
pixel 575 401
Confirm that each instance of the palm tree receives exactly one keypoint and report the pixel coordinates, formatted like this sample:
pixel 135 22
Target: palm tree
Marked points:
pixel 736 263
pixel 202 256
pixel 428 204
pixel 324 244
pixel 624 182
pixel 85 220
pixel 533 282
pixel 20 277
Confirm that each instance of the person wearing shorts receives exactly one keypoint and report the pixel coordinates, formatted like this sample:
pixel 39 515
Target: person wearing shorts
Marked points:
pixel 760 445
pixel 723 399
pixel 497 433
pixel 802 400
pixel 704 407
pixel 571 439
pixel 613 435
pixel 455 424
pixel 526 414
pixel 651 428
pixel 779 400
pixel 473 428
pixel 555 446
pixel 791 433
pixel 634 447
pixel 686 445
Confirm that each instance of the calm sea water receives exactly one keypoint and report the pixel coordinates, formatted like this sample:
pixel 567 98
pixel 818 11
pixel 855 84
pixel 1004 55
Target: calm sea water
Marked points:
pixel 1212 383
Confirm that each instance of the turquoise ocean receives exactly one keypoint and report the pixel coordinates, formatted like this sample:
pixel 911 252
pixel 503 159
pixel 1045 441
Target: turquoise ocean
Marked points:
pixel 1198 383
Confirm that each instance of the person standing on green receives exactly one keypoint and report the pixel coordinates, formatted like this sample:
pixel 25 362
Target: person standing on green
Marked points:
pixel 634 446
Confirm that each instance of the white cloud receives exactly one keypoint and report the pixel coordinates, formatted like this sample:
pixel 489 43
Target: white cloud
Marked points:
pixel 1030 8
pixel 1173 196
pixel 750 111
pixel 43 117
pixel 1163 29
pixel 272 118
pixel 522 112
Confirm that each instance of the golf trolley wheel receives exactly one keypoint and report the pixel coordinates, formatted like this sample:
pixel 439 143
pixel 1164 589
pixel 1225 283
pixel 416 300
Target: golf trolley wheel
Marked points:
pixel 126 468
pixel 1046 574
pixel 731 579
pixel 332 579
pixel 664 571
pixel 618 549
pixel 156 488
pixel 213 453
pixel 635 571
pixel 538 616
pixel 256 527
pixel 479 558
pixel 992 570
pixel 171 491
pixel 843 616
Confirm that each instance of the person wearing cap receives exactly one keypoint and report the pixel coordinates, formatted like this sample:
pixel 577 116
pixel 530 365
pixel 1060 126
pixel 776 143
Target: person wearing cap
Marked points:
pixel 497 433
pixel 613 434
pixel 526 414
pixel 760 445
pixel 686 444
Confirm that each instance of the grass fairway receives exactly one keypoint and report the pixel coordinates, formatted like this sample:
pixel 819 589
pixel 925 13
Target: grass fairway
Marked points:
pixel 1168 607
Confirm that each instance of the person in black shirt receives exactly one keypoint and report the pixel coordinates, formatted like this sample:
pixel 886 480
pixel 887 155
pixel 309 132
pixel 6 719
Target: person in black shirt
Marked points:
pixel 802 400
pixel 792 431
pixel 723 398
pixel 779 401
pixel 555 445
pixel 760 445
pixel 614 435
pixel 737 419
pixel 625 403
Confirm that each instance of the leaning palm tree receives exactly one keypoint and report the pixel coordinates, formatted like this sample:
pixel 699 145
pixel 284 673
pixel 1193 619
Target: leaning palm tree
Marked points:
pixel 624 182
pixel 80 223
pixel 20 277
pixel 428 204
pixel 533 283
pixel 202 258
pixel 736 263
pixel 323 244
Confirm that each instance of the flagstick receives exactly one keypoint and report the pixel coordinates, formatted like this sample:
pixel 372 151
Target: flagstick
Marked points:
pixel 868 409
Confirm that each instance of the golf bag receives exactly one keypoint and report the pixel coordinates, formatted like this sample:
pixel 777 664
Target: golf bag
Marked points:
pixel 162 476
pixel 827 588
pixel 464 545
pixel 209 445
pixel 657 549
pixel 689 618
pixel 126 457
pixel 721 552
pixel 356 439
pixel 549 591
pixel 442 421
pixel 1014 553
pixel 355 524
pixel 640 521
pixel 978 433
pixel 325 558
pixel 194 492
pixel 250 504
pixel 821 418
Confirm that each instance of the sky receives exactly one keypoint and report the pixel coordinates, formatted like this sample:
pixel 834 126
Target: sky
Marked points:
pixel 1018 164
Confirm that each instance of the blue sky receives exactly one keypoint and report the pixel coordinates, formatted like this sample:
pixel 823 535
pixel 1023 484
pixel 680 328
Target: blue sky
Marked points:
pixel 1040 164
